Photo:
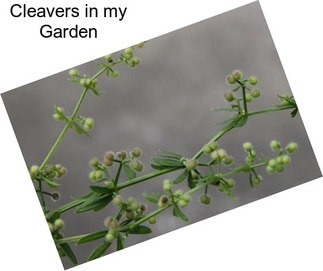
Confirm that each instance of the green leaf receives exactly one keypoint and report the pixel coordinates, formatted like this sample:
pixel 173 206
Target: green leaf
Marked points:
pixel 99 189
pixel 250 180
pixel 168 162
pixel 157 167
pixel 50 182
pixel 68 252
pixel 240 120
pixel 227 188
pixel 95 91
pixel 120 243
pixel 95 202
pixel 178 213
pixel 99 250
pixel 190 182
pixel 224 121
pixel 181 177
pixel 169 154
pixel 140 229
pixel 92 236
pixel 53 216
pixel 152 197
pixel 294 112
pixel 129 172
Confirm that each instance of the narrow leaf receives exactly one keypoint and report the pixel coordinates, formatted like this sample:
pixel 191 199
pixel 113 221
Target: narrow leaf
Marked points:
pixel 92 236
pixel 178 213
pixel 129 172
pixel 190 182
pixel 152 197
pixel 226 109
pixel 120 243
pixel 140 229
pixel 68 252
pixel 170 155
pixel 95 203
pixel 50 182
pixel 181 177
pixel 99 189
pixel 250 180
pixel 99 250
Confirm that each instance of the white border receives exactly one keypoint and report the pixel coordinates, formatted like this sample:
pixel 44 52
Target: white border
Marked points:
pixel 281 232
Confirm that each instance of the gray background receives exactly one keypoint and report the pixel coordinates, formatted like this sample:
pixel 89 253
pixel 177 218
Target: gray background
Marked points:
pixel 165 103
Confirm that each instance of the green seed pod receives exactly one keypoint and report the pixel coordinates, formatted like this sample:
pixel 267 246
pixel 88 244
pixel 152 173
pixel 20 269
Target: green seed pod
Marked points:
pixel 110 184
pixel 140 45
pixel 152 220
pixel 256 180
pixel 94 162
pixel 230 183
pixel 108 221
pixel 207 148
pixel 55 196
pixel 59 224
pixel 255 93
pixel 51 227
pixel 272 163
pixel 109 237
pixel 34 169
pixel 195 176
pixel 248 98
pixel 128 53
pixel 162 202
pixel 136 152
pixel 270 170
pixel 186 197
pixel 215 155
pixel 136 165
pixel 109 58
pixel 167 186
pixel 237 74
pixel 292 147
pixel 122 155
pixel 182 203
pixel 191 164
pixel 247 146
pixel 117 201
pixel 280 167
pixel 221 188
pixel 286 159
pixel 136 60
pixel 108 162
pixel 109 155
pixel 279 160
pixel 130 215
pixel 252 80
pixel 57 116
pixel 230 79
pixel 205 199
pixel 73 72
pixel 92 175
pixel 229 96
pixel 98 174
pixel 178 193
pixel 275 145
pixel 222 154
pixel 228 160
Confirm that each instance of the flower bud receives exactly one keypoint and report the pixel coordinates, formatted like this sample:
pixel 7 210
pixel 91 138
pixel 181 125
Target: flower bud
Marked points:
pixel 122 155
pixel 178 193
pixel 256 180
pixel 109 184
pixel 280 167
pixel 222 154
pixel 108 162
pixel 286 159
pixel 248 98
pixel 128 53
pixel 230 183
pixel 109 58
pixel 55 196
pixel 272 163
pixel 270 170
pixel 228 160
pixel 186 197
pixel 34 169
pixel 98 174
pixel 230 79
pixel 182 203
pixel 109 155
pixel 109 237
pixel 162 202
pixel 140 45
pixel 51 227
pixel 255 93
pixel 237 74
pixel 92 175
pixel 136 165
pixel 117 201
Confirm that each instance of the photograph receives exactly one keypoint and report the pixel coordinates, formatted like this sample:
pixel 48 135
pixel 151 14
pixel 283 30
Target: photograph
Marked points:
pixel 161 134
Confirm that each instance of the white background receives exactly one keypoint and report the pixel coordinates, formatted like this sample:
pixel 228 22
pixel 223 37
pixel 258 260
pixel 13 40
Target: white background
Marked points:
pixel 277 233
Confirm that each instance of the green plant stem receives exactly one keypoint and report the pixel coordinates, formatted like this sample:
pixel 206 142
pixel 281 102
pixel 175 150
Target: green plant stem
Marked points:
pixel 76 202
pixel 74 114
pixel 43 192
pixel 42 199
pixel 116 179
pixel 159 210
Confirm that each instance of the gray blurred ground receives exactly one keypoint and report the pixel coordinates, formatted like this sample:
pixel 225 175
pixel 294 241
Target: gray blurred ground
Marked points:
pixel 165 103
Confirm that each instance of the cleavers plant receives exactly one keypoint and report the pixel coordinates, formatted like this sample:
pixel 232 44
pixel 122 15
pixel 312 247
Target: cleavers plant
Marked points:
pixel 210 166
